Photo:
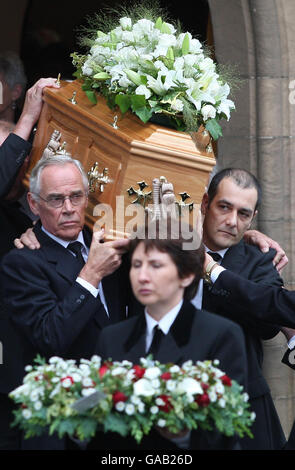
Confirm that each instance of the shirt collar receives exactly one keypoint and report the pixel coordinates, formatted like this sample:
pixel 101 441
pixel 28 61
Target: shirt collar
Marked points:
pixel 220 252
pixel 165 322
pixel 65 243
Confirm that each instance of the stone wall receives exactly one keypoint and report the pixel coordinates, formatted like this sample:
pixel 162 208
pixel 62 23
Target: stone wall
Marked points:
pixel 259 36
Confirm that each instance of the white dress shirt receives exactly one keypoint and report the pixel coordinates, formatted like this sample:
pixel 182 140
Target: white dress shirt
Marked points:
pixel 84 250
pixel 164 324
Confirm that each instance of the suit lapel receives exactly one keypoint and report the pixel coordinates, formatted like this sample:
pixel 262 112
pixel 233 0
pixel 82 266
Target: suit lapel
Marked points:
pixel 65 263
pixel 134 346
pixel 171 346
pixel 234 258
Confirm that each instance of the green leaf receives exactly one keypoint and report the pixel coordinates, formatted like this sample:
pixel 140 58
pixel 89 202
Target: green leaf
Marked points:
pixel 159 23
pixel 91 96
pixel 137 102
pixel 124 102
pixel 101 76
pixel 214 128
pixel 115 424
pixel 185 45
pixel 144 114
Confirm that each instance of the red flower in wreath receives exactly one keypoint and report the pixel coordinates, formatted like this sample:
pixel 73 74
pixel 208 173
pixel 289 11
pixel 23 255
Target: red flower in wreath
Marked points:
pixel 167 404
pixel 119 396
pixel 226 380
pixel 203 400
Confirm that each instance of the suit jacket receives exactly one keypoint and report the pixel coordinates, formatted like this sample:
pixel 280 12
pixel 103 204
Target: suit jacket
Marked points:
pixel 51 313
pixel 196 335
pixel 250 263
pixel 13 152
pixel 267 303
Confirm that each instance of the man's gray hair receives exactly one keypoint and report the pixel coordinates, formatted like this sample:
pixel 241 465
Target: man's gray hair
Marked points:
pixel 12 69
pixel 57 160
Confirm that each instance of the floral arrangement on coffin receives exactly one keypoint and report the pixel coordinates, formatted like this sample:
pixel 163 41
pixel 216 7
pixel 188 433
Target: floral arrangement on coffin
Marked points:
pixel 62 396
pixel 151 68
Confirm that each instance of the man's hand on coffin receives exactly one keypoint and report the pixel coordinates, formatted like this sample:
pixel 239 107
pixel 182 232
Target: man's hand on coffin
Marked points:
pixel 32 107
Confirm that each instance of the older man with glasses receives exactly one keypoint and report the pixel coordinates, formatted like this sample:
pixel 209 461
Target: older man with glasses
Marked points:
pixel 63 294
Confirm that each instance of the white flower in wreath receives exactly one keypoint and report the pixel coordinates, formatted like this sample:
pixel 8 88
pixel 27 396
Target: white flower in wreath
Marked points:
pixel 152 373
pixel 219 387
pixel 154 410
pixel 208 111
pixel 120 406
pixel 38 405
pixel 161 423
pixel 177 105
pixel 222 403
pixel 170 385
pixel 87 382
pixel 189 386
pixel 130 409
pixel 88 391
pixel 141 407
pixel 143 387
pixel 27 414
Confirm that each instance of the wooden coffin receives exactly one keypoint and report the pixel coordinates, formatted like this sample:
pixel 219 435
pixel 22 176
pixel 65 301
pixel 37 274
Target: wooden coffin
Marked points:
pixel 131 150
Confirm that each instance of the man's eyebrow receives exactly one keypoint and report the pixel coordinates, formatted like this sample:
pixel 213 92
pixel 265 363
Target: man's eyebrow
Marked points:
pixel 244 209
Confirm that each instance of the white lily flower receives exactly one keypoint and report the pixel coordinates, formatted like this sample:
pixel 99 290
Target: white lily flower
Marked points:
pixel 208 111
pixel 144 388
pixel 225 107
pixel 126 22
pixel 160 86
pixel 143 90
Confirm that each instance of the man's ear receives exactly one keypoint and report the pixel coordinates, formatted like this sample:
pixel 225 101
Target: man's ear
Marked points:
pixel 204 203
pixel 33 204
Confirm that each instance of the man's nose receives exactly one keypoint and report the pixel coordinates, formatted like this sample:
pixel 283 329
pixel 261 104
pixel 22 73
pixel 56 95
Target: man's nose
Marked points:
pixel 67 205
pixel 232 218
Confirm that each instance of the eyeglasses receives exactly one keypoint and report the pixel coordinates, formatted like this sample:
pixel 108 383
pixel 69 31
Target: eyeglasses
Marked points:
pixel 58 201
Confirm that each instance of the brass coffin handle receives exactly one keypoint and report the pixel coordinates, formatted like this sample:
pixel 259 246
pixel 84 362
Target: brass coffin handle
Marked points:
pixel 98 180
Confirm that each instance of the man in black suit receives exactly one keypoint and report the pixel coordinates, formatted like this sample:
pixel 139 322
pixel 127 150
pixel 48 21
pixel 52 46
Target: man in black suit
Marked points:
pixel 14 150
pixel 58 300
pixel 229 208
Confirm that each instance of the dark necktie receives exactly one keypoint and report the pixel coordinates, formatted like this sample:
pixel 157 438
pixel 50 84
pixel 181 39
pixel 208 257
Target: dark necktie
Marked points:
pixel 158 335
pixel 76 247
pixel 206 300
pixel 216 256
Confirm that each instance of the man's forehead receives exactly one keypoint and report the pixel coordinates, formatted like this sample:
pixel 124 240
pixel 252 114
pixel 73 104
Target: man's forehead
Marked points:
pixel 228 190
pixel 53 175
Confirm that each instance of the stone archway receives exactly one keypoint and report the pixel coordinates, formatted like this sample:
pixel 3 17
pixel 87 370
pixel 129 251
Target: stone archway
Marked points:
pixel 259 36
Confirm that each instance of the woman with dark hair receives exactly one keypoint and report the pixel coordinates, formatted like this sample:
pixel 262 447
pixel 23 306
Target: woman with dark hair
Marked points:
pixel 166 266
